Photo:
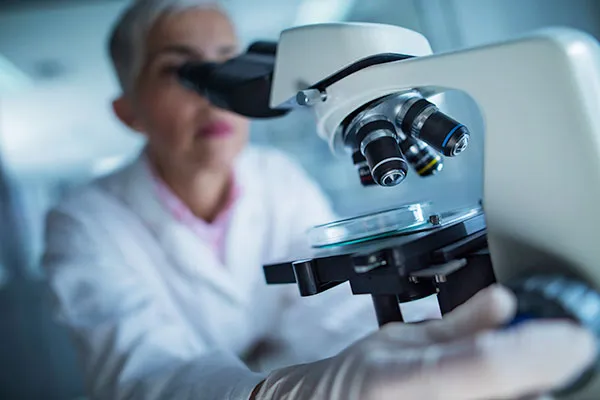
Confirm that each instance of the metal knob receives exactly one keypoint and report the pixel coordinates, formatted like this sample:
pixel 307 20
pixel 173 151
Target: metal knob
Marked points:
pixel 554 296
pixel 310 97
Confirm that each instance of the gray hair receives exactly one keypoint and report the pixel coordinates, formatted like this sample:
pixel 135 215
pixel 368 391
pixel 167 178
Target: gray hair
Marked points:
pixel 128 39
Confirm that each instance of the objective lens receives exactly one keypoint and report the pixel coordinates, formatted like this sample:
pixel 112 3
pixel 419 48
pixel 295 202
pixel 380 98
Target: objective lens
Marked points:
pixel 362 167
pixel 426 122
pixel 385 160
pixel 379 145
pixel 424 160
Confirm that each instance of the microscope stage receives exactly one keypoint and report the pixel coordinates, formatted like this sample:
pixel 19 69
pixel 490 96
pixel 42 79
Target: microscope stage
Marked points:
pixel 437 241
pixel 402 221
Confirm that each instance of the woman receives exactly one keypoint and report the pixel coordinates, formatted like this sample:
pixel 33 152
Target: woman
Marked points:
pixel 157 268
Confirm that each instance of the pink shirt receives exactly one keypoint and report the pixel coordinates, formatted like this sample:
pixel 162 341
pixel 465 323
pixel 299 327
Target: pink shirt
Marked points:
pixel 215 233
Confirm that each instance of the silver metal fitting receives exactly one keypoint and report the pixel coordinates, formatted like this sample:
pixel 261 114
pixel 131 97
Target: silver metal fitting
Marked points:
pixel 373 262
pixel 310 97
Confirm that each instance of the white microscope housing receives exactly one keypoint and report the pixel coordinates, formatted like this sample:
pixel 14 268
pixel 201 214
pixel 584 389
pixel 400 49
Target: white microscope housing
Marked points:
pixel 539 96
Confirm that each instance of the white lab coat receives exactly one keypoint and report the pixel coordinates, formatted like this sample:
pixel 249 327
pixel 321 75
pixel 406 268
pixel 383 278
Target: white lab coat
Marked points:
pixel 154 312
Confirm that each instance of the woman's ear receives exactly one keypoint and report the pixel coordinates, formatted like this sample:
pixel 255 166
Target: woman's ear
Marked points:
pixel 123 109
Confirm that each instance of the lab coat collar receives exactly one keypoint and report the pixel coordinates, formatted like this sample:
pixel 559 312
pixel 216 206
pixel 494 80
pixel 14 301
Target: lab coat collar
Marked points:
pixel 184 250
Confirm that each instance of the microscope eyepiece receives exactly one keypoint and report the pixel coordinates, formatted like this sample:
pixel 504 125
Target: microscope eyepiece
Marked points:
pixel 241 85
pixel 195 76
pixel 423 120
pixel 379 145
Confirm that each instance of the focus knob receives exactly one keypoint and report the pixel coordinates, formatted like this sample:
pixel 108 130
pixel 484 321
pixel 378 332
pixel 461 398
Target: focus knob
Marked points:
pixel 557 297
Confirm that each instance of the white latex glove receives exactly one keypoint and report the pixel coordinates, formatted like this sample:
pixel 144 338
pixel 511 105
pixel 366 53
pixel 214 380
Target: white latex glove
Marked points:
pixel 464 356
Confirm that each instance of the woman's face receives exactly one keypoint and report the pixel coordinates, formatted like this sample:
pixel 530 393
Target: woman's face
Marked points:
pixel 183 128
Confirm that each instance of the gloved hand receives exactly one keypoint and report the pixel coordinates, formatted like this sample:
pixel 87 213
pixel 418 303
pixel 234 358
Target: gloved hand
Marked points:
pixel 466 356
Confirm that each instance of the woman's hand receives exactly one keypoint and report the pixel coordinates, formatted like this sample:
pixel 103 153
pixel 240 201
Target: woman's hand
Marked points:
pixel 466 356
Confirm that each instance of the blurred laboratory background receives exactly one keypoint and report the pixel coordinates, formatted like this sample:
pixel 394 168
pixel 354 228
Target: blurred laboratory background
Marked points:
pixel 57 131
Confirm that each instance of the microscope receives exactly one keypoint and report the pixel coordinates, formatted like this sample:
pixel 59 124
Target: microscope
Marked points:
pixel 372 90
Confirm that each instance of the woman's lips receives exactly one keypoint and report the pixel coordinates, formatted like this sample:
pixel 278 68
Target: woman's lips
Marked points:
pixel 217 129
